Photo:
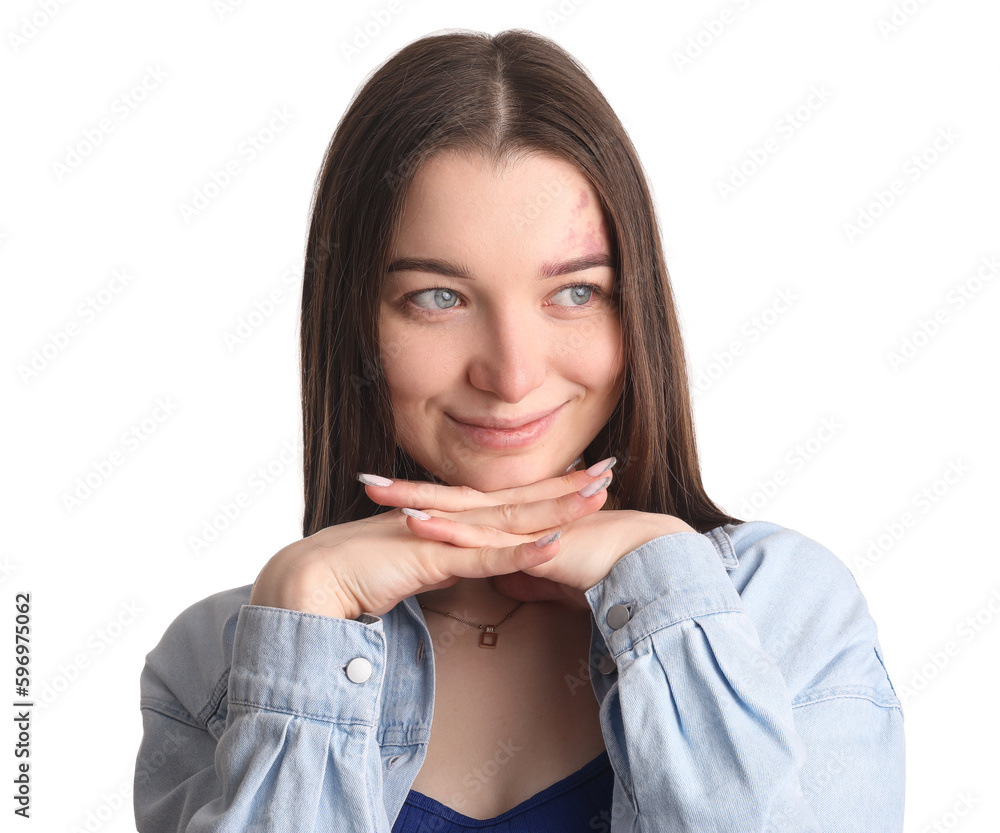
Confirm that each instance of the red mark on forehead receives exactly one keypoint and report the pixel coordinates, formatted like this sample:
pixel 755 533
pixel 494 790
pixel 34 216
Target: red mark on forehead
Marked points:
pixel 589 235
pixel 596 237
pixel 572 238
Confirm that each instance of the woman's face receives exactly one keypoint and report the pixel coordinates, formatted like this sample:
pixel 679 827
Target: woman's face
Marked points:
pixel 475 327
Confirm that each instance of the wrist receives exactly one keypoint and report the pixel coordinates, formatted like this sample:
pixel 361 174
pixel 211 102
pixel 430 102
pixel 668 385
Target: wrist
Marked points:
pixel 658 524
pixel 297 593
pixel 669 524
pixel 653 525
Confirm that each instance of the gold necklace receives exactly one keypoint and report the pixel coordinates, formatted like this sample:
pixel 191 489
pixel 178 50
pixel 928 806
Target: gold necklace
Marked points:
pixel 489 637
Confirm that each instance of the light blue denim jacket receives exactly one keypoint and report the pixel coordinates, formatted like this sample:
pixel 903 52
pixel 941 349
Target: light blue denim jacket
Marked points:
pixel 747 693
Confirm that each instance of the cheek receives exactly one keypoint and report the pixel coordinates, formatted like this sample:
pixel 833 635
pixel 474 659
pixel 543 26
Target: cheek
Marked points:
pixel 403 378
pixel 415 364
pixel 616 351
pixel 395 360
pixel 598 351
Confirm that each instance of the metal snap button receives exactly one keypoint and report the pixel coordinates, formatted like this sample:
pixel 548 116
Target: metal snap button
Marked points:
pixel 618 615
pixel 359 670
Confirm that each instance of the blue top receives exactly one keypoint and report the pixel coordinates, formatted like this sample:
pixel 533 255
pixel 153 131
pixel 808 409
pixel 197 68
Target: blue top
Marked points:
pixel 738 674
pixel 575 804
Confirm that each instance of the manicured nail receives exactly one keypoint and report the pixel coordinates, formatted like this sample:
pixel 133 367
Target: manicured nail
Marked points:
pixel 548 539
pixel 416 513
pixel 603 466
pixel 374 480
pixel 594 487
pixel 573 465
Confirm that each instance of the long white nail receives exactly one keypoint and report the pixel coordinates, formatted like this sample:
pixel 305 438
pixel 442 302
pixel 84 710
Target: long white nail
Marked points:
pixel 594 487
pixel 603 466
pixel 416 513
pixel 548 539
pixel 374 480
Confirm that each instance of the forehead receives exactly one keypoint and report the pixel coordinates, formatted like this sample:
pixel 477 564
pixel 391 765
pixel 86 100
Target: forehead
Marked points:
pixel 535 202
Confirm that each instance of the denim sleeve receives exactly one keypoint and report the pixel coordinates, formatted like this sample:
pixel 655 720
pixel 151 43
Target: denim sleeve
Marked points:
pixel 296 747
pixel 700 725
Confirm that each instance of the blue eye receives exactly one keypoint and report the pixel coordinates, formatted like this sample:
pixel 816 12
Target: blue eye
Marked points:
pixel 446 295
pixel 586 288
pixel 582 295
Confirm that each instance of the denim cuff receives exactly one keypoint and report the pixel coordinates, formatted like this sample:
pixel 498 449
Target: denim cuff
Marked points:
pixel 665 581
pixel 296 663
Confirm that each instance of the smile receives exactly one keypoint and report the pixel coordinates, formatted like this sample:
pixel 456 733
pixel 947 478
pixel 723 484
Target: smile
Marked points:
pixel 501 438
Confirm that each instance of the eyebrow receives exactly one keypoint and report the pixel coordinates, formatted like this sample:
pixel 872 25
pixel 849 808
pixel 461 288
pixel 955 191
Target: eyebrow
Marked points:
pixel 457 270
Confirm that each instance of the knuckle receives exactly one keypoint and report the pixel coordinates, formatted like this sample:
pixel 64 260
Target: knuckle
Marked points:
pixel 468 493
pixel 488 558
pixel 508 512
pixel 573 511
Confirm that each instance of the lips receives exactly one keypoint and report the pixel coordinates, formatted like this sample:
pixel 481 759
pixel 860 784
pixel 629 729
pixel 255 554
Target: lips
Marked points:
pixel 504 424
pixel 520 432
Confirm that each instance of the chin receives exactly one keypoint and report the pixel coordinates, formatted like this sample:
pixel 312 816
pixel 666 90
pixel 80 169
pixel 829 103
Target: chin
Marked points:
pixel 488 474
pixel 507 473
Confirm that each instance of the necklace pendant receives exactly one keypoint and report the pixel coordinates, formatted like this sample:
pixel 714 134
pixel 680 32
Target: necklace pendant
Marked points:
pixel 488 638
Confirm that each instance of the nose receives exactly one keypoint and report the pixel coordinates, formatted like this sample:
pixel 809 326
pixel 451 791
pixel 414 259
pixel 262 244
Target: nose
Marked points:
pixel 510 358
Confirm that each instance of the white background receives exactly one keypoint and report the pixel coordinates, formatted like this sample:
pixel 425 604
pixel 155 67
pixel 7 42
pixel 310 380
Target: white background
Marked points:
pixel 108 573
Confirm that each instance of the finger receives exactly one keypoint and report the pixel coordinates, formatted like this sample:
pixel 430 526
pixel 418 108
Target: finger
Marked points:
pixel 498 561
pixel 528 518
pixel 478 527
pixel 435 496
pixel 462 534
pixel 490 559
pixel 553 487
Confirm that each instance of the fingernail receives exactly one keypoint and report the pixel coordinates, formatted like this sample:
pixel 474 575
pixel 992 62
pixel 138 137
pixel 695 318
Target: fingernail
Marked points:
pixel 416 513
pixel 374 480
pixel 594 487
pixel 573 465
pixel 548 539
pixel 603 466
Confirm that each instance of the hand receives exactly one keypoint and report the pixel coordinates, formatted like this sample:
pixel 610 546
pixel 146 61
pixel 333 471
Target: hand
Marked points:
pixel 588 549
pixel 369 565
pixel 590 545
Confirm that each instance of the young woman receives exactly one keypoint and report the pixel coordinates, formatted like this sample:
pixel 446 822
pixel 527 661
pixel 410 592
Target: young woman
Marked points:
pixel 514 608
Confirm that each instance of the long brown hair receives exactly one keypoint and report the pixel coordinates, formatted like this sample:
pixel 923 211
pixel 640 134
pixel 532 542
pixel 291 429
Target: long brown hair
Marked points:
pixel 500 96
